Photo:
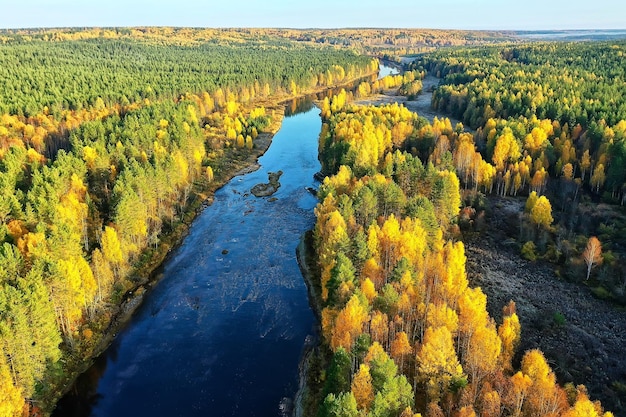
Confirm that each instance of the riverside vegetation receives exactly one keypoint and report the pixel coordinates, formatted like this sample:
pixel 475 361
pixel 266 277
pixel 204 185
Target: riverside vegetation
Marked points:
pixel 104 142
pixel 406 335
pixel 100 161
pixel 393 288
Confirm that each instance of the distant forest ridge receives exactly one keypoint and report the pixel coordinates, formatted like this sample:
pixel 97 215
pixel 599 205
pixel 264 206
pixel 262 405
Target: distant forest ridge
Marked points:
pixel 380 41
pixel 369 40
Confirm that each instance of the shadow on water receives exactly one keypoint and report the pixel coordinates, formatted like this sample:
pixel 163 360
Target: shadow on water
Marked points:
pixel 84 396
pixel 299 105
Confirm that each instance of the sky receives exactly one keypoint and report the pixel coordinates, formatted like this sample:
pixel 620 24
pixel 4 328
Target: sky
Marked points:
pixel 445 14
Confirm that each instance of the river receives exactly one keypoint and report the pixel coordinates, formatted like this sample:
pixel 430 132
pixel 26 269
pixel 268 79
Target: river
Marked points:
pixel 224 330
pixel 222 333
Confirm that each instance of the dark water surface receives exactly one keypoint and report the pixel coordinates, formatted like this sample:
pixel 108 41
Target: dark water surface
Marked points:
pixel 221 334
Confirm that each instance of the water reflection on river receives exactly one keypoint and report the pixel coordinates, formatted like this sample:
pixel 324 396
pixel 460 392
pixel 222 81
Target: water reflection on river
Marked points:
pixel 223 332
pixel 385 70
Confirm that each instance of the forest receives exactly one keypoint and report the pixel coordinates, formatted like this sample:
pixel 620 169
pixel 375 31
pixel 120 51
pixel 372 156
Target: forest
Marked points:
pixel 391 43
pixel 110 137
pixel 550 119
pixel 103 144
pixel 405 333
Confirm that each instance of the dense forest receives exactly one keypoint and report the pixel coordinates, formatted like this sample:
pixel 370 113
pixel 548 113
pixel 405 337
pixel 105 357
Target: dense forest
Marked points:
pixel 379 42
pixel 574 83
pixel 103 142
pixel 405 332
pixel 107 136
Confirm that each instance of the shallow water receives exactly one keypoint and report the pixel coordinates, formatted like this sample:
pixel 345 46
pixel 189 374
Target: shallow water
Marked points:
pixel 385 70
pixel 222 333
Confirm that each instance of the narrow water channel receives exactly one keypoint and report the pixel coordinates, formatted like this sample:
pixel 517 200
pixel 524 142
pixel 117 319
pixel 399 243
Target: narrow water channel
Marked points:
pixel 385 70
pixel 223 332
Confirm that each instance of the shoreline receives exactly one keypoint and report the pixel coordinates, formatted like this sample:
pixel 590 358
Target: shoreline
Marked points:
pixel 150 271
pixel 312 354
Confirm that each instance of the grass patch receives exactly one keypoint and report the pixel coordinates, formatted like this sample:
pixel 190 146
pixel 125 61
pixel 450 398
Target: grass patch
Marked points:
pixel 601 293
pixel 559 319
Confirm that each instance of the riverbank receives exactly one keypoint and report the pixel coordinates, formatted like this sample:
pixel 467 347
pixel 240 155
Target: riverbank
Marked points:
pixel 235 162
pixel 147 274
pixel 314 361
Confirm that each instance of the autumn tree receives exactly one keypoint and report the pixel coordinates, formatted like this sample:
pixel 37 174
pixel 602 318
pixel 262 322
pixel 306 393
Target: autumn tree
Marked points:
pixel 349 324
pixel 598 178
pixel 584 407
pixel 506 149
pixel 517 392
pixel 544 397
pixel 11 400
pixel 438 367
pixel 362 388
pixel 483 354
pixel 509 332
pixel 401 348
pixel 111 248
pixel 541 213
pixel 592 254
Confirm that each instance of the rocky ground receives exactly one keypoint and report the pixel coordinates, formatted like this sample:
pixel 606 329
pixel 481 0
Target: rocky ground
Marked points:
pixel 582 337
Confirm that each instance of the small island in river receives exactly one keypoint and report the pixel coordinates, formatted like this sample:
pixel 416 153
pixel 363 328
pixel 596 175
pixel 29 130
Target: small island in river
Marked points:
pixel 267 189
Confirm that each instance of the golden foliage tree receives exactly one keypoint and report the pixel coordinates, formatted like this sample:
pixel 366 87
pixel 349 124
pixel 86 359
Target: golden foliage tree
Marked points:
pixel 437 364
pixel 348 324
pixel 362 387
pixel 541 213
pixel 545 398
pixel 11 401
pixel 584 407
pixel 401 348
pixel 509 332
pixel 592 254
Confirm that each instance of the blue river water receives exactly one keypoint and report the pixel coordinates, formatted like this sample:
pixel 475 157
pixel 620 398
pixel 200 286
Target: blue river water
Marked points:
pixel 385 70
pixel 222 333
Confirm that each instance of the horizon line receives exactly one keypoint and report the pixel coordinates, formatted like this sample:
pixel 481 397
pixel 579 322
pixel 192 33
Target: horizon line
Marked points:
pixel 312 28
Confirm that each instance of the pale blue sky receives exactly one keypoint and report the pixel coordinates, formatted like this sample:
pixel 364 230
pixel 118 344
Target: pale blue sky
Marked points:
pixel 446 14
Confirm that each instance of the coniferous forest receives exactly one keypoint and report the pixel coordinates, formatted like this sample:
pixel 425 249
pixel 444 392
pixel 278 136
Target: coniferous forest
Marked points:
pixel 111 139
